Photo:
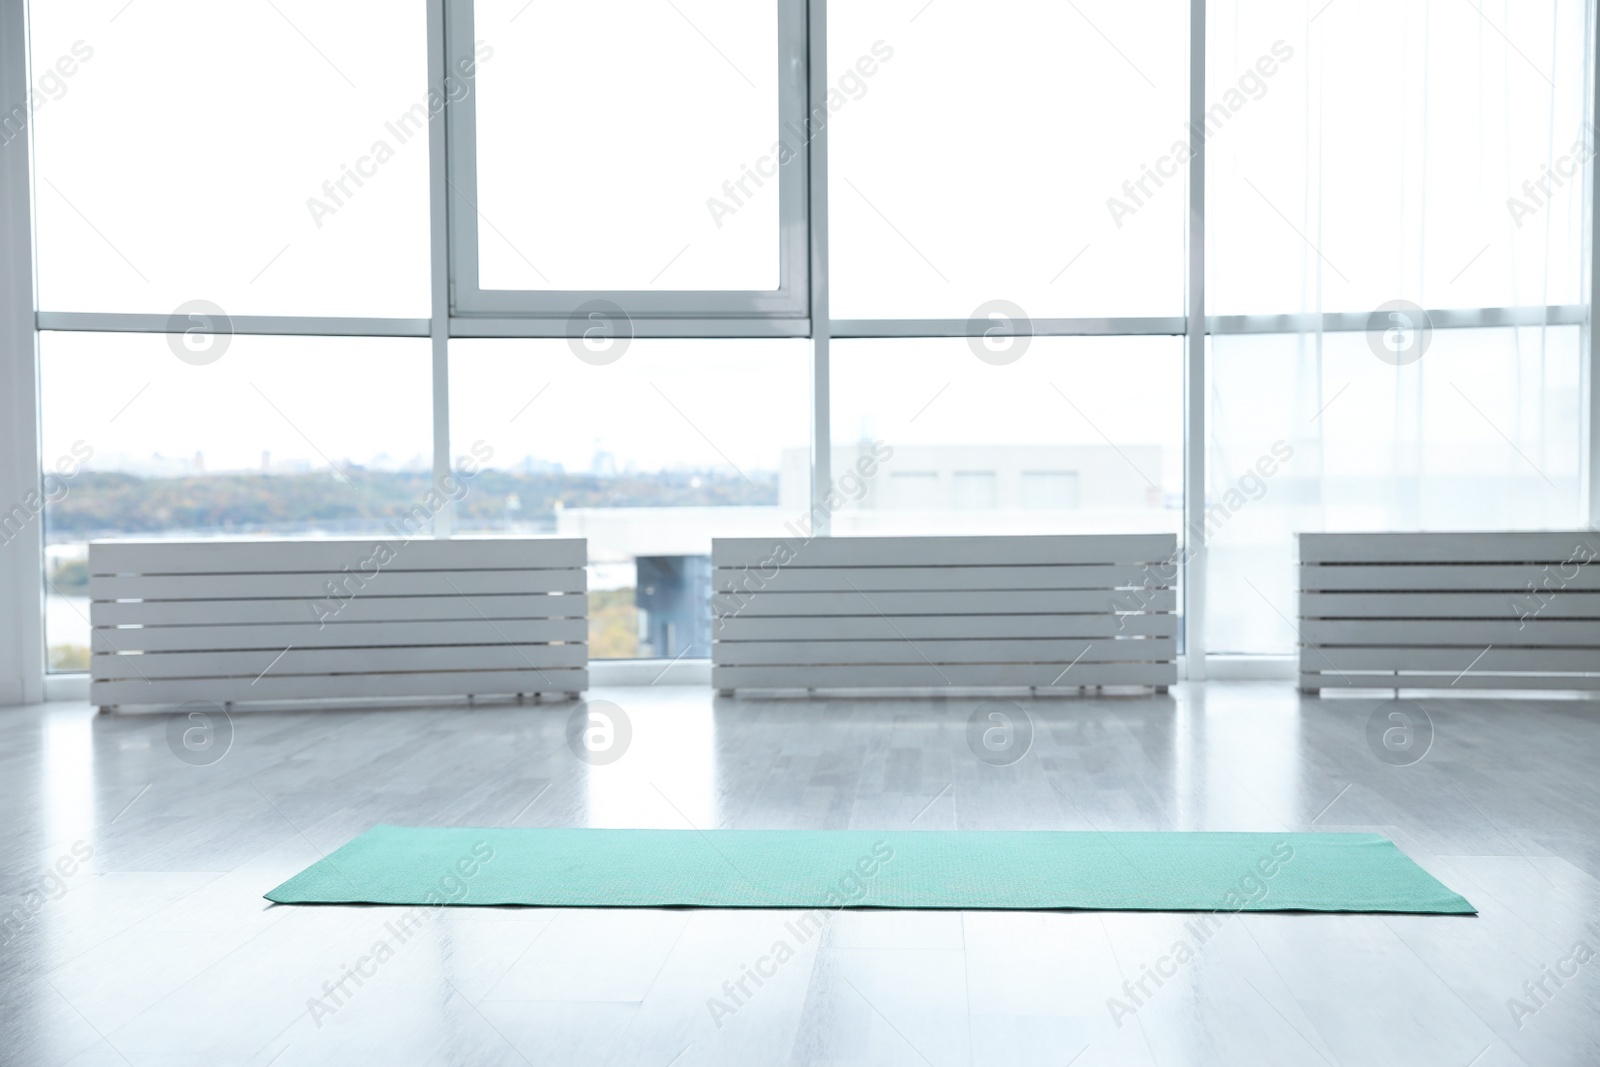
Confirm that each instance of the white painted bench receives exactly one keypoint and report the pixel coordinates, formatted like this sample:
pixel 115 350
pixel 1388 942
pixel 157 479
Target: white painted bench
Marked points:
pixel 1450 610
pixel 234 621
pixel 913 612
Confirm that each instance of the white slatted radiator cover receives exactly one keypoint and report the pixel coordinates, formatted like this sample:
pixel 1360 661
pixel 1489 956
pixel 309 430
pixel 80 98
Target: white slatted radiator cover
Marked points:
pixel 175 621
pixel 1450 610
pixel 899 612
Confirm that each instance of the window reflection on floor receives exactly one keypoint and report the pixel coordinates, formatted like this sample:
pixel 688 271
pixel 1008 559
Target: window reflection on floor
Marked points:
pixel 667 778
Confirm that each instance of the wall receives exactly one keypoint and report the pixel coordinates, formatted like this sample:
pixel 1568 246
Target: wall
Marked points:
pixel 21 600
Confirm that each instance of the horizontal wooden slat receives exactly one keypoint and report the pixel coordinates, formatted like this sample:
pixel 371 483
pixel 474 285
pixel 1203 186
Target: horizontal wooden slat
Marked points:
pixel 880 628
pixel 1063 653
pixel 954 675
pixel 316 586
pixel 357 609
pixel 251 665
pixel 1464 633
pixel 1444 681
pixel 253 557
pixel 339 687
pixel 1566 604
pixel 1447 547
pixel 1455 660
pixel 942 551
pixel 957 602
pixel 911 579
pixel 1486 577
pixel 275 638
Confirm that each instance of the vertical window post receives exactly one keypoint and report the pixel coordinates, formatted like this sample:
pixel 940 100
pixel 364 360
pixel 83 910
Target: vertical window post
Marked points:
pixel 1194 390
pixel 1589 462
pixel 21 543
pixel 821 331
pixel 439 265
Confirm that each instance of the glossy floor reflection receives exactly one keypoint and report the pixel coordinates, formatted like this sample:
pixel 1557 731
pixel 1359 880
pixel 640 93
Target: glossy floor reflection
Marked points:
pixel 135 932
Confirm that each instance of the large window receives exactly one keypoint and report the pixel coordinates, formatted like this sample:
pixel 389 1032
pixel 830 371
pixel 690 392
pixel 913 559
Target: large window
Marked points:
pixel 267 159
pixel 1314 433
pixel 673 271
pixel 1416 150
pixel 651 155
pixel 648 456
pixel 975 149
pixel 277 437
pixel 1390 174
pixel 1079 435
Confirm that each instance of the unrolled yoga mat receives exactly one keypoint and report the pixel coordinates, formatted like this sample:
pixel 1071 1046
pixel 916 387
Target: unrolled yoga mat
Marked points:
pixel 1032 869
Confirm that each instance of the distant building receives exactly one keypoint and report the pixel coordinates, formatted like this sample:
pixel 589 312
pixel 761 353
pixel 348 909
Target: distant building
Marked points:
pixel 964 478
pixel 920 489
pixel 673 597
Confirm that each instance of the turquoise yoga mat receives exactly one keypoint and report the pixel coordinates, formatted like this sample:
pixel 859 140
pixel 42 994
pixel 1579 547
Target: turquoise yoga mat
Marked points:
pixel 1024 869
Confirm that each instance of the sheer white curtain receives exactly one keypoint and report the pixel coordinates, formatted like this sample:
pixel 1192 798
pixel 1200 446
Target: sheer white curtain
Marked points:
pixel 1371 159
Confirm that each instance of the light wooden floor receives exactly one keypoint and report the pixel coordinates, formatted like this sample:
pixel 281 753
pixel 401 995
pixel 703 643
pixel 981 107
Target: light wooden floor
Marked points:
pixel 161 950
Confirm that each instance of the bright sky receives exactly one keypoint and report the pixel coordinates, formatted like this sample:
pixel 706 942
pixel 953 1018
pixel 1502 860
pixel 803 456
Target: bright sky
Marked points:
pixel 973 162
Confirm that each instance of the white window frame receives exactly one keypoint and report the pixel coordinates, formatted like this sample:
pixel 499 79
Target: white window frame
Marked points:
pixel 802 311
pixel 664 313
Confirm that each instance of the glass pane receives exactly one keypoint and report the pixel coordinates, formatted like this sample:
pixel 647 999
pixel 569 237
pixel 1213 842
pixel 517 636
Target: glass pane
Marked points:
pixel 649 457
pixel 1002 149
pixel 1481 434
pixel 1078 435
pixel 628 145
pixel 267 158
pixel 279 437
pixel 1405 150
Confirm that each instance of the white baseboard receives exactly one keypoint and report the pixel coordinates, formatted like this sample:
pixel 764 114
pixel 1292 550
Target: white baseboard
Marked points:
pixel 602 672
pixel 643 672
pixel 66 687
pixel 623 672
